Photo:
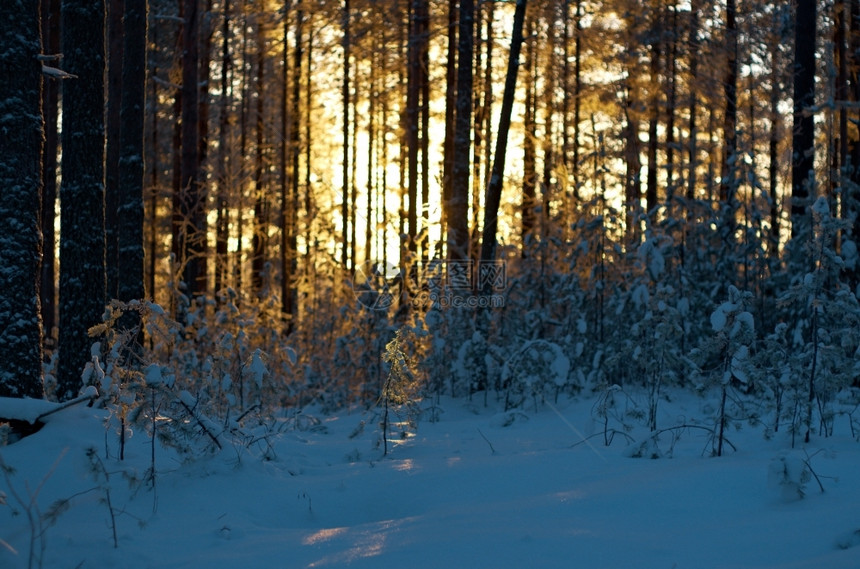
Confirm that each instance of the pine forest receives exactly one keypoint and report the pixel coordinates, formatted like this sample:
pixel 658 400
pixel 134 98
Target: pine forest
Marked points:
pixel 225 221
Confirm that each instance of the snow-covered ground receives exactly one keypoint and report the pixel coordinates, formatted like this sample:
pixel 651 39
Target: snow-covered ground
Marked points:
pixel 477 489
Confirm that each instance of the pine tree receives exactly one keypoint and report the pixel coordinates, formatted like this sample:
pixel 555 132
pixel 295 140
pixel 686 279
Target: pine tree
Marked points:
pixel 21 148
pixel 82 239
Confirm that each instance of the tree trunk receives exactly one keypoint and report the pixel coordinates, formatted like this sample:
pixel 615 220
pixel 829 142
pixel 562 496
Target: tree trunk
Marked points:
pixel 222 223
pixel 130 242
pixel 413 91
pixel 692 128
pixel 193 200
pixel 283 166
pixel 728 177
pixel 290 306
pixel 260 237
pixel 21 147
pixel 458 222
pixel 529 204
pixel 672 64
pixel 803 138
pixel 112 143
pixel 345 205
pixel 653 123
pixel 82 243
pixel 494 190
pixel 450 116
pixel 50 100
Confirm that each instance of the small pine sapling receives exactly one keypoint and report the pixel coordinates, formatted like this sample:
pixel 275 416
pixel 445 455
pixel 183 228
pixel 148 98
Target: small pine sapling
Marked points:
pixel 728 351
pixel 538 366
pixel 401 387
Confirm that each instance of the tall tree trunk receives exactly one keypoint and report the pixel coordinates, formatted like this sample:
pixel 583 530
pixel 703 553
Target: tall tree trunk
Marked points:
pixel 50 100
pixel 309 196
pixel 238 265
pixel 483 176
pixel 450 116
pixel 413 91
pixel 528 206
pixel 672 63
pixel 177 223
pixel 494 190
pixel 458 223
pixel 633 168
pixel 21 147
pixel 729 176
pixel 222 223
pixel 192 202
pixel 283 165
pixel 692 128
pixel 82 242
pixel 154 190
pixel 803 138
pixel 290 294
pixel 424 68
pixel 345 203
pixel 653 122
pixel 130 241
pixel 260 237
pixel 112 143
pixel 372 151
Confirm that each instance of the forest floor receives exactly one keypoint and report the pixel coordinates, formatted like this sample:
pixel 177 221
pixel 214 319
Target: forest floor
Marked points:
pixel 479 488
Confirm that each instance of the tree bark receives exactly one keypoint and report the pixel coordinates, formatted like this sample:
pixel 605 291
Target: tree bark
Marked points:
pixel 130 242
pixel 458 222
pixel 450 116
pixel 728 177
pixel 113 145
pixel 345 87
pixel 21 147
pixel 50 101
pixel 494 190
pixel 82 242
pixel 193 200
pixel 803 138
pixel 527 211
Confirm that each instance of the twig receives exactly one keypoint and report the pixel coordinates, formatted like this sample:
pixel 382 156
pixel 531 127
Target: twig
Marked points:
pixel 493 450
pixel 202 425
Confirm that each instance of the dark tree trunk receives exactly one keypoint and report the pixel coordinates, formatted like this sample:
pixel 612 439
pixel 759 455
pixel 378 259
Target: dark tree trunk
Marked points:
pixel 494 190
pixel 130 242
pixel 672 64
pixel 424 49
pixel 112 141
pixel 260 237
pixel 728 176
pixel 450 115
pixel 803 138
pixel 653 122
pixel 222 223
pixel 290 305
pixel 773 144
pixel 692 128
pixel 82 243
pixel 192 200
pixel 528 206
pixel 413 91
pixel 633 166
pixel 21 147
pixel 458 222
pixel 50 101
pixel 345 96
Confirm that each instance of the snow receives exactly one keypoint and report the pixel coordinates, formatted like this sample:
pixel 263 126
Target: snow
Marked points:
pixel 24 409
pixel 479 488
